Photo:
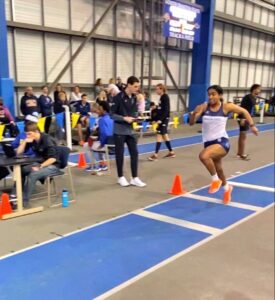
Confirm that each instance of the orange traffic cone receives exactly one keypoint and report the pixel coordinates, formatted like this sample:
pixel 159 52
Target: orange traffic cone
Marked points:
pixel 5 207
pixel 177 186
pixel 82 160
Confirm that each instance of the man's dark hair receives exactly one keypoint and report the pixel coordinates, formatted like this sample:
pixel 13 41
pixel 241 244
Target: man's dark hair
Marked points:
pixel 254 87
pixel 83 95
pixel 31 126
pixel 105 105
pixel 44 86
pixel 132 79
pixel 217 88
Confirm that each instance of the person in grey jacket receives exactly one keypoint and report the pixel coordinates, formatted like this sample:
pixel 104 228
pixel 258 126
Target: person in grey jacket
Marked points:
pixel 124 113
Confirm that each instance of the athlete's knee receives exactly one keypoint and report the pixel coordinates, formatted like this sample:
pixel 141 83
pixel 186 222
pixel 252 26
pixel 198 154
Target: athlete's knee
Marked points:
pixel 203 156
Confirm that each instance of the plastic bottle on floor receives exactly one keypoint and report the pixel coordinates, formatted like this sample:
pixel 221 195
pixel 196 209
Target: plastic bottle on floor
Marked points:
pixel 65 198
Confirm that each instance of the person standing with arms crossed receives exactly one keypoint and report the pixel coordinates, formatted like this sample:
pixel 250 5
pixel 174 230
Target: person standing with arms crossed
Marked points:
pixel 124 112
pixel 247 103
pixel 162 119
pixel 215 138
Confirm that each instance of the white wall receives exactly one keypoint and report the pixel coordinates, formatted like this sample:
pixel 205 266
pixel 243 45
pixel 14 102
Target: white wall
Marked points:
pixel 241 57
pixel 37 57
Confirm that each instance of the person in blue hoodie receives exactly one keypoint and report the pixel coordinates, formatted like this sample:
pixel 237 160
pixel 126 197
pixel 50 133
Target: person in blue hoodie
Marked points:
pixel 46 107
pixel 105 133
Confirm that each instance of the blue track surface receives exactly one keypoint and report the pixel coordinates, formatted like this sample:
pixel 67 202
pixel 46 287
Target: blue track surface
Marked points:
pixel 263 177
pixel 201 212
pixel 87 264
pixel 243 195
pixel 177 143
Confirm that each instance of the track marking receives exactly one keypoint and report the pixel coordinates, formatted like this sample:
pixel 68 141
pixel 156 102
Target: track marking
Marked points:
pixel 178 222
pixel 232 203
pixel 175 257
pixel 252 186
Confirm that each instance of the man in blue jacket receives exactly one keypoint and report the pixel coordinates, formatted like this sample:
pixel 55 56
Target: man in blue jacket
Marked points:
pixel 105 133
pixel 83 108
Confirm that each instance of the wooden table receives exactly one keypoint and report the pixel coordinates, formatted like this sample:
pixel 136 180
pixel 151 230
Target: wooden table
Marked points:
pixel 16 163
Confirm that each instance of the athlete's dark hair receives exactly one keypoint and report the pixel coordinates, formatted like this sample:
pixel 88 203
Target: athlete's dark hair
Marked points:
pixel 254 87
pixel 217 88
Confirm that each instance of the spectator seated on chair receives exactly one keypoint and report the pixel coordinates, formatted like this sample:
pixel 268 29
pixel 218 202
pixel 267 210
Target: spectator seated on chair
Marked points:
pixel 83 108
pixel 43 146
pixel 75 97
pixel 105 131
pixel 29 102
pixel 6 118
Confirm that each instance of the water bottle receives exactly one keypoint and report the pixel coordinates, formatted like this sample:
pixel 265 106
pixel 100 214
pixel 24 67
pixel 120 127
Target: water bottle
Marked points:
pixel 65 198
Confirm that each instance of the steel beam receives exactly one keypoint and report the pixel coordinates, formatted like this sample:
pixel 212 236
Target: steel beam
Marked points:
pixel 82 45
pixel 162 58
pixel 219 16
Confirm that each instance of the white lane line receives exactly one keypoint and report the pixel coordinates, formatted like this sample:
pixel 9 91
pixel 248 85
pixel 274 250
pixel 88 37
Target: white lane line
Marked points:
pixel 236 176
pixel 232 203
pixel 175 257
pixel 253 170
pixel 252 186
pixel 178 222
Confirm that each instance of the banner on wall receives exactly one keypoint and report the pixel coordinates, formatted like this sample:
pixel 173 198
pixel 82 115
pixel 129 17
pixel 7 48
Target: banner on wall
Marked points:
pixel 181 21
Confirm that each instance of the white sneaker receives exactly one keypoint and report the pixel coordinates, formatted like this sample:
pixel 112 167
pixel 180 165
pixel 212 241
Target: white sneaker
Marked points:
pixel 122 181
pixel 137 182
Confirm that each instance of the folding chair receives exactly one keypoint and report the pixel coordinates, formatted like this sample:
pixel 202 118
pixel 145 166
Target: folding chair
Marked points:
pixel 65 170
pixel 109 150
pixel 63 154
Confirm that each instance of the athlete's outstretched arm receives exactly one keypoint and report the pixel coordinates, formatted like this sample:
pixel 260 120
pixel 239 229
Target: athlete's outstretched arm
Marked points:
pixel 196 113
pixel 230 107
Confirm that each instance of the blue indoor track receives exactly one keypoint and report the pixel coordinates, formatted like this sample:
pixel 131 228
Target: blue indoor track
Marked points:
pixel 88 263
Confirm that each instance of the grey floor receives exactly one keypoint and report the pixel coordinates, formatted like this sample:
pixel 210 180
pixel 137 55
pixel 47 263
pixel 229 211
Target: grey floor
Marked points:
pixel 238 265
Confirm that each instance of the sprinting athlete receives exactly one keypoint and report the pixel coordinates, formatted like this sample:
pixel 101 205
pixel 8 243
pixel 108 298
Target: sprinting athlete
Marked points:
pixel 216 144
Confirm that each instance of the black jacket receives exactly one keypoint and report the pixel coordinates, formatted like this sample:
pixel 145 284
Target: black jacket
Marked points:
pixel 58 106
pixel 123 106
pixel 163 109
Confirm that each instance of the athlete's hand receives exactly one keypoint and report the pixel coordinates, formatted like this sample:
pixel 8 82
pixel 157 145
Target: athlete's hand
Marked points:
pixel 255 130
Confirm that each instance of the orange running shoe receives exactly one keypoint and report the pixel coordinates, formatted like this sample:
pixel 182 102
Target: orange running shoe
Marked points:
pixel 214 186
pixel 227 195
pixel 81 143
